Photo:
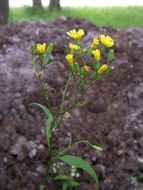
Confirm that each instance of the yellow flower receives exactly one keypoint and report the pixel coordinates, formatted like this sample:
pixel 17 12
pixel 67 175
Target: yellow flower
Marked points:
pixel 106 41
pixel 95 43
pixel 74 47
pixel 96 54
pixel 69 58
pixel 86 68
pixel 102 69
pixel 41 48
pixel 76 35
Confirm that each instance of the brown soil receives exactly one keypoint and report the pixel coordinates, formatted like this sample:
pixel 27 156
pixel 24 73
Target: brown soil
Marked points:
pixel 112 117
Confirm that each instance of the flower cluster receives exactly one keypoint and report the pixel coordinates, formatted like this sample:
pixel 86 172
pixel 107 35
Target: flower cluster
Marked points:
pixel 93 61
pixel 89 60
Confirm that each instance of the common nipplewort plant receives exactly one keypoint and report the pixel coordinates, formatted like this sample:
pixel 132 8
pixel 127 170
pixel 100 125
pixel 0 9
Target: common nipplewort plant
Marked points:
pixel 85 67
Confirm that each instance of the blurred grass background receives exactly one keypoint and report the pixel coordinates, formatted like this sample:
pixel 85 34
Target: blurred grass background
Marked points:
pixel 117 17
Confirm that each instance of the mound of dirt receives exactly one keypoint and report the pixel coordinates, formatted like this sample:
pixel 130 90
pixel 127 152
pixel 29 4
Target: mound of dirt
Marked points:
pixel 112 117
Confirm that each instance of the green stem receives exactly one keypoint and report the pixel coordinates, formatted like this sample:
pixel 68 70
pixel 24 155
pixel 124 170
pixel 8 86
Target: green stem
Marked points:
pixel 71 146
pixel 74 101
pixel 46 175
pixel 57 117
pixel 76 91
pixel 44 93
pixel 89 86
pixel 64 93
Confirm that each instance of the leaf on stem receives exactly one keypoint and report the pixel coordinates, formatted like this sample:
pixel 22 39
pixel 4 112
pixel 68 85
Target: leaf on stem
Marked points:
pixel 48 129
pixel 110 55
pixel 49 121
pixel 50 48
pixel 97 148
pixel 95 75
pixel 32 49
pixel 110 71
pixel 78 162
pixel 96 65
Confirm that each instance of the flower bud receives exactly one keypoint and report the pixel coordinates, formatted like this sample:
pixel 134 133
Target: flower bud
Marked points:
pixel 95 43
pixel 86 68
pixel 96 54
pixel 41 48
pixel 102 69
pixel 69 58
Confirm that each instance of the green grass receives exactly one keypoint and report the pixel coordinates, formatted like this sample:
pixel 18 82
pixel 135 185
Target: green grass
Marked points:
pixel 117 17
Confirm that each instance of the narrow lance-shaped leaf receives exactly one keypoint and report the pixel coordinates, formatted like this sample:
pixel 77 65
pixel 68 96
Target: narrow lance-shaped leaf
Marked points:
pixel 48 121
pixel 40 57
pixel 76 67
pixel 65 49
pixel 110 71
pixel 49 59
pixel 32 49
pixel 80 163
pixel 44 108
pixel 110 55
pixel 96 65
pixel 50 48
pixel 48 129
pixel 97 148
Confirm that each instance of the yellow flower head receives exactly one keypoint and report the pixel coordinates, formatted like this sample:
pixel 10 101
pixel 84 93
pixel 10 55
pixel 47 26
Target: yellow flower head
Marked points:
pixel 74 47
pixel 95 43
pixel 41 48
pixel 76 35
pixel 86 68
pixel 96 54
pixel 106 41
pixel 102 69
pixel 69 58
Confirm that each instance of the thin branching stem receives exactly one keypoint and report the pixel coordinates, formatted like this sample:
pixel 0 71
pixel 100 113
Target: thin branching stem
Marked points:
pixel 71 146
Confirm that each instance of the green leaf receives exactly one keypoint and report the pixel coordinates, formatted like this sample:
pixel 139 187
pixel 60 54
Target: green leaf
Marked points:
pixel 44 108
pixel 65 49
pixel 140 177
pixel 75 183
pixel 110 55
pixel 89 52
pixel 40 57
pixel 76 67
pixel 81 73
pixel 62 177
pixel 71 68
pixel 96 65
pixel 48 129
pixel 80 163
pixel 49 121
pixel 110 71
pixel 50 48
pixel 32 49
pixel 65 186
pixel 95 75
pixel 97 148
pixel 49 59
pixel 69 180
pixel 42 187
